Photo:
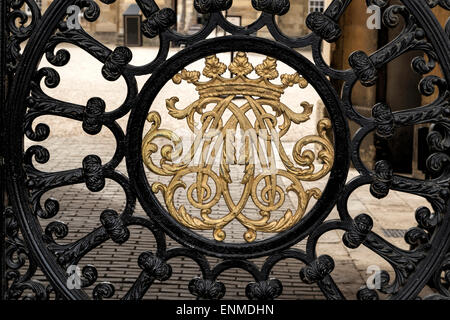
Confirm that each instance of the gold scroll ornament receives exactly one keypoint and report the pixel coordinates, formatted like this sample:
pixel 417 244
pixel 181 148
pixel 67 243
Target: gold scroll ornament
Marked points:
pixel 264 132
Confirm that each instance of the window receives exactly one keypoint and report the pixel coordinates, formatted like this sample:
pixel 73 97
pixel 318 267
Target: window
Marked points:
pixel 316 5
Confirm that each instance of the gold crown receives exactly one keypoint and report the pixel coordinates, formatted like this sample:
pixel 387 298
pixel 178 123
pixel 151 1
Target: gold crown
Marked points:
pixel 240 84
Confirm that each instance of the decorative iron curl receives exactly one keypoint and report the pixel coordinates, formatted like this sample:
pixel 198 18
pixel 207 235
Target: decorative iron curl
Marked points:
pixel 93 172
pixel 154 266
pixel 364 68
pixel 114 226
pixel 443 3
pixel 210 6
pixel 17 31
pixel 56 229
pixel 324 26
pixel 441 277
pixel 207 289
pixel 264 290
pixel 158 22
pixel 276 7
pixel 17 257
pixel 317 270
pixel 116 62
pixel 92 118
pixel 89 275
pixel 361 226
pixel 384 120
pixel 382 179
pixel 103 290
pixel 366 294
pixel 426 219
pixel 92 11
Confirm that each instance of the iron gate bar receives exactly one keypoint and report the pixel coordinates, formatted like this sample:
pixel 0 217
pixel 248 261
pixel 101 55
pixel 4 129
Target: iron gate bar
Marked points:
pixel 429 256
pixel 3 32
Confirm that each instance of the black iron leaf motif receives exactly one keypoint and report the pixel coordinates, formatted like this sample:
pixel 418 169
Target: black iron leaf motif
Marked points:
pixel 20 26
pixel 425 219
pixel 382 179
pixel 439 137
pixel 438 162
pixel 323 26
pixel 439 143
pixel 364 68
pixel 421 66
pixel 20 265
pixel 366 294
pixel 210 6
pixel 361 226
pixel 147 6
pixel 416 237
pixel 93 172
pixel 72 253
pixel 103 290
pixel 92 9
pixel 411 37
pixel 403 262
pixel 384 120
pixel 56 228
pixel 114 226
pixel 154 266
pixel 50 76
pixel 443 3
pixel 428 84
pixel 158 22
pixel 317 270
pixel 92 119
pixel 115 63
pixel 78 37
pixel 207 289
pixel 277 7
pixel 89 275
pixel 441 278
pixel 264 290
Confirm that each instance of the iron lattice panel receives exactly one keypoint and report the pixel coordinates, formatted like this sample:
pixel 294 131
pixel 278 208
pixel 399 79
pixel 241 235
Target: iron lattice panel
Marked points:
pixel 30 246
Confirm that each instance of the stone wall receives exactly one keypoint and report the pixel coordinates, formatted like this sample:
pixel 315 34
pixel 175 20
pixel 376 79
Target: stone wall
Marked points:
pixel 293 22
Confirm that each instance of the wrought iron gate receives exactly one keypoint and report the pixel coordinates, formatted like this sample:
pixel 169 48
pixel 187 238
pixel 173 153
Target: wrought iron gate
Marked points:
pixel 28 246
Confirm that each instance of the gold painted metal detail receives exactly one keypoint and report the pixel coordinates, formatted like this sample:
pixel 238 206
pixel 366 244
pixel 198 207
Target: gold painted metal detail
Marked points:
pixel 214 141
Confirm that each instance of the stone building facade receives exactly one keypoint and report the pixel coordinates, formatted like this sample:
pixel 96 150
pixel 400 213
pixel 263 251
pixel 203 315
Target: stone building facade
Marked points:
pixel 111 20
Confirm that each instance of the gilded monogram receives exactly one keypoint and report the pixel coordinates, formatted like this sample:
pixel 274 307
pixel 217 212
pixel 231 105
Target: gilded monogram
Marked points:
pixel 212 141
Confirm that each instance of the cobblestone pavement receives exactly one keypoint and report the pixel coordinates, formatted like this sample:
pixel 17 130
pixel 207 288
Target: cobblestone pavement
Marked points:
pixel 80 210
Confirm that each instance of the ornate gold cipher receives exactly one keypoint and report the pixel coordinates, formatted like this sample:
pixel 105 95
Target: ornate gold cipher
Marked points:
pixel 213 138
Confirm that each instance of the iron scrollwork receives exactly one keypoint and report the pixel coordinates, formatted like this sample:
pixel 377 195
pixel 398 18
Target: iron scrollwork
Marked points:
pixel 28 185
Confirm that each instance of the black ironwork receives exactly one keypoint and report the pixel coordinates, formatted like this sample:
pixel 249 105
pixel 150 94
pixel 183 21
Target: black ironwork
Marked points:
pixel 26 244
